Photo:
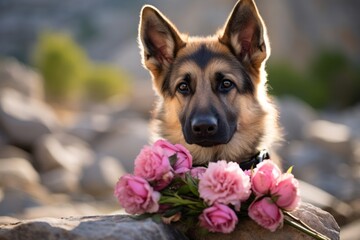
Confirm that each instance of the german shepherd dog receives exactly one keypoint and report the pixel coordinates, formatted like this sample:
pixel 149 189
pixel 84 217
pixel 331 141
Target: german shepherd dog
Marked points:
pixel 212 90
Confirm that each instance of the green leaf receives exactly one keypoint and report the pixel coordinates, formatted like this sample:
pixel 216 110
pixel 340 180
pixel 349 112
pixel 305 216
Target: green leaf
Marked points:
pixel 275 198
pixel 172 211
pixel 290 169
pixel 193 184
pixel 183 190
pixel 173 159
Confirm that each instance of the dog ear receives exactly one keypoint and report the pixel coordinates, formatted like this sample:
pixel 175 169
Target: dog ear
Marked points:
pixel 246 35
pixel 159 40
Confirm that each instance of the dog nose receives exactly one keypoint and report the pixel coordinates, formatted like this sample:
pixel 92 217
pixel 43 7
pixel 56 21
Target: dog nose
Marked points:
pixel 204 126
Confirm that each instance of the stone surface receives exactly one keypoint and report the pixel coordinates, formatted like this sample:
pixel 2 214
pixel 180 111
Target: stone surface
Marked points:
pixel 123 227
pixel 100 177
pixel 124 141
pixel 60 181
pixel 17 76
pixel 351 231
pixel 9 151
pixel 295 115
pixel 91 228
pixel 25 119
pixel 249 230
pixel 17 172
pixel 332 136
pixel 17 199
pixel 88 125
pixel 62 150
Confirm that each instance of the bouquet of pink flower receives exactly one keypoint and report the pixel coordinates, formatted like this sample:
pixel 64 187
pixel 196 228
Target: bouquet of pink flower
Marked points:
pixel 166 184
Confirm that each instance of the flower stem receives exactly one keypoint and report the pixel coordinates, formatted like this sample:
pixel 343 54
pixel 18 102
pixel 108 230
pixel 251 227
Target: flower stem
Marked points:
pixel 300 225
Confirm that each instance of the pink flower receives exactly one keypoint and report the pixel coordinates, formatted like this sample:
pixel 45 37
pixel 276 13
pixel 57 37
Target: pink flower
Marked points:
pixel 248 172
pixel 153 165
pixel 264 177
pixel 136 196
pixel 197 172
pixel 184 161
pixel 224 183
pixel 184 158
pixel 265 213
pixel 286 192
pixel 218 218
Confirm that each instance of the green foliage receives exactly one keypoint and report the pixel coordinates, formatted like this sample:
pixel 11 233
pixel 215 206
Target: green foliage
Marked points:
pixel 105 81
pixel 69 74
pixel 63 64
pixel 330 80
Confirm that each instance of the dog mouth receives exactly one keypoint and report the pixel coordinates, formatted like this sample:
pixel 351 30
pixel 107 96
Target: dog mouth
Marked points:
pixel 207 144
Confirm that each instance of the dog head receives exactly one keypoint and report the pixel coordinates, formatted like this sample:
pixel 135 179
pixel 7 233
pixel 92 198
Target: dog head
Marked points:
pixel 212 90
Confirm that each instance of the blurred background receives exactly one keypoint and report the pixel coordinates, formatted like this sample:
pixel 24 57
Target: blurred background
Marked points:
pixel 75 101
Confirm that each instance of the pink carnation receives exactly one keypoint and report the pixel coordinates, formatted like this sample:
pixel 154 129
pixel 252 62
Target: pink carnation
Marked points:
pixel 286 192
pixel 136 196
pixel 218 218
pixel 265 213
pixel 224 183
pixel 264 177
pixel 153 165
pixel 184 158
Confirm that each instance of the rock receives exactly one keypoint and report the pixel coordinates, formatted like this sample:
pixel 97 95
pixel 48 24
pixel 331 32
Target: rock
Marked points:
pixel 7 220
pixel 25 119
pixel 17 172
pixel 100 177
pixel 60 181
pixel 89 125
pixel 3 138
pixel 60 210
pixel 124 227
pixel 295 115
pixel 332 136
pixel 62 150
pixel 316 218
pixel 9 151
pixel 17 76
pixel 15 199
pixel 90 228
pixel 322 168
pixel 341 211
pixel 350 231
pixel 124 141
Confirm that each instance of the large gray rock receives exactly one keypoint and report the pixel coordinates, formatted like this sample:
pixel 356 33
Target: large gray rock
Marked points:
pixel 124 227
pixel 90 228
pixel 15 200
pixel 60 181
pixel 100 177
pixel 124 142
pixel 89 125
pixel 322 168
pixel 17 172
pixel 316 218
pixel 350 231
pixel 295 115
pixel 25 119
pixel 17 76
pixel 334 137
pixel 9 151
pixel 62 150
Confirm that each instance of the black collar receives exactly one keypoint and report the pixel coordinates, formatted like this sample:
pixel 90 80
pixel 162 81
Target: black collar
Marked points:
pixel 258 158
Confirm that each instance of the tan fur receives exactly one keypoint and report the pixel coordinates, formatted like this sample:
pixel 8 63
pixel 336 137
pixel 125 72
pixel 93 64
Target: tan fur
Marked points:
pixel 257 118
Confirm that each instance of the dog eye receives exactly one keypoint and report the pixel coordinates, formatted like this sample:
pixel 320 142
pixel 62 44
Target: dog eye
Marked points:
pixel 225 85
pixel 183 88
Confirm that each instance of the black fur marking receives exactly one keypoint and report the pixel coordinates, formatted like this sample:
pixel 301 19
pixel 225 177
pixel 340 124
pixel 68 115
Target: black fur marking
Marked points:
pixel 202 57
pixel 248 85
